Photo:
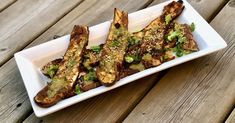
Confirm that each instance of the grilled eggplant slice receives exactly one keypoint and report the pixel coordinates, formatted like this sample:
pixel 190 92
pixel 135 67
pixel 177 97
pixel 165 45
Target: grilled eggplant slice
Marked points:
pixel 153 40
pixel 62 85
pixel 112 54
pixel 51 68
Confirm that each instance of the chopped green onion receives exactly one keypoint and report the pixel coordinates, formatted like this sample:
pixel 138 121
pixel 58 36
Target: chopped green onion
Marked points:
pixel 96 48
pixel 192 27
pixel 172 36
pixel 168 19
pixel 137 58
pixel 52 70
pixel 77 89
pixel 132 40
pixel 90 76
pixel 129 59
pixel 115 43
pixel 71 63
pixel 51 73
pixel 179 53
pixel 181 40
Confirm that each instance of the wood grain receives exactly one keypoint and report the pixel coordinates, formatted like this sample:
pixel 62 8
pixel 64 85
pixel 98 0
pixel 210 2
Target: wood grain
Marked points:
pixel 20 22
pixel 198 91
pixel 88 13
pixel 231 118
pixel 24 20
pixel 100 108
pixel 5 3
pixel 202 7
pixel 32 119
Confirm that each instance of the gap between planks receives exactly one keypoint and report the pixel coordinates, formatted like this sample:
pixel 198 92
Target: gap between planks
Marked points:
pixel 28 12
pixel 67 10
pixel 5 4
pixel 206 16
pixel 32 117
pixel 9 64
pixel 167 113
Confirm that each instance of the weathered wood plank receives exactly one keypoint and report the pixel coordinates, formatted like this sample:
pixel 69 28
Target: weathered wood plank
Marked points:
pixel 33 119
pixel 205 10
pixel 197 91
pixel 91 109
pixel 16 21
pixel 89 12
pixel 5 3
pixel 106 108
pixel 23 21
pixel 205 7
pixel 231 118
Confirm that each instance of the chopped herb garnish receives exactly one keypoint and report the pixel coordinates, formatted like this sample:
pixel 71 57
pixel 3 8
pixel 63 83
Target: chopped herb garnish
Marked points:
pixel 51 73
pixel 179 53
pixel 133 58
pixel 77 89
pixel 96 48
pixel 132 40
pixel 179 50
pixel 52 70
pixel 172 35
pixel 71 63
pixel 90 76
pixel 54 67
pixel 129 59
pixel 168 19
pixel 181 40
pixel 137 58
pixel 115 43
pixel 192 27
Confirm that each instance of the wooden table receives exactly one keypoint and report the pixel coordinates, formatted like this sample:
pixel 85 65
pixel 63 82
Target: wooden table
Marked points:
pixel 202 90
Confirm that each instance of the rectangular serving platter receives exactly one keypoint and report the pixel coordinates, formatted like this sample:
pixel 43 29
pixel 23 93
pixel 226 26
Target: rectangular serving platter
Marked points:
pixel 30 61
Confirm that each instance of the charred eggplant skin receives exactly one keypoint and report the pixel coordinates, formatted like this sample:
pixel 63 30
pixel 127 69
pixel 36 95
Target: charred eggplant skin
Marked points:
pixel 62 85
pixel 112 54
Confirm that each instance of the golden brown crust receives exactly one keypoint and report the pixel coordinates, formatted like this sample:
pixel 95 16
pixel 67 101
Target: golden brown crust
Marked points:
pixel 111 61
pixel 153 39
pixel 62 85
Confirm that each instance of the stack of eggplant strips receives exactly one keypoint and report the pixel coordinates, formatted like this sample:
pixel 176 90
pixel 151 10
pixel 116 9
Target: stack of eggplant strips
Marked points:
pixel 123 54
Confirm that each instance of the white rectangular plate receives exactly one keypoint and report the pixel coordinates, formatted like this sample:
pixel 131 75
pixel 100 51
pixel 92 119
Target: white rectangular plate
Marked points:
pixel 30 61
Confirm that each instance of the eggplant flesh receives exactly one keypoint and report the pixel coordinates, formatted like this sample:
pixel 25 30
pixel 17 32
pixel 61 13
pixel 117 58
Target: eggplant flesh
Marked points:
pixel 112 54
pixel 62 84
